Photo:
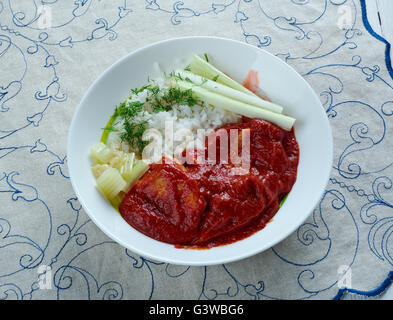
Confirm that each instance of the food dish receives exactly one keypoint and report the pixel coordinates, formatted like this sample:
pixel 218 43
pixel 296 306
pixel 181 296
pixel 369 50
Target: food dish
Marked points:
pixel 217 176
pixel 260 61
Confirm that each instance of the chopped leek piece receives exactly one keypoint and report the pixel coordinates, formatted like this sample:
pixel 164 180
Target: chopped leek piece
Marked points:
pixel 117 161
pixel 222 102
pixel 101 153
pixel 203 68
pixel 127 167
pixel 227 91
pixel 110 183
pixel 98 169
pixel 116 200
pixel 138 171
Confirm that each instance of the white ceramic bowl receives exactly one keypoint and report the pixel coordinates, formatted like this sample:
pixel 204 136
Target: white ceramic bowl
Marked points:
pixel 281 82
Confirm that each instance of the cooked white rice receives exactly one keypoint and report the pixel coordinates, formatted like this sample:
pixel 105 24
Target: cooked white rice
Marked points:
pixel 183 117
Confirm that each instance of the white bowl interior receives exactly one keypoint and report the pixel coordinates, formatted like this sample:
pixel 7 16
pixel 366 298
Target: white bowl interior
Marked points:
pixel 281 82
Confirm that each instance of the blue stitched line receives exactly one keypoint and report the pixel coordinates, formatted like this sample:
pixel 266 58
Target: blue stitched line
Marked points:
pixel 386 283
pixel 377 36
pixel 371 293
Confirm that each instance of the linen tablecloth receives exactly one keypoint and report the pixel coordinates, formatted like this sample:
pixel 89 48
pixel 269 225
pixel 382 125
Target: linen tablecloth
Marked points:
pixel 52 51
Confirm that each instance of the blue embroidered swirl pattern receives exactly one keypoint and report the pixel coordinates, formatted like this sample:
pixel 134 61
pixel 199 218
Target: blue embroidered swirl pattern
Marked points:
pixel 81 262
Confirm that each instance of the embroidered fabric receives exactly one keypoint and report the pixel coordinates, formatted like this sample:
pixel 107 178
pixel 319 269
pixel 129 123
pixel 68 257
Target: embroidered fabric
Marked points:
pixel 51 52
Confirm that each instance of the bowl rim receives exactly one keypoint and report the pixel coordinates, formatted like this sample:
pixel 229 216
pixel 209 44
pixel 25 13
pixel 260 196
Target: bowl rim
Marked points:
pixel 239 256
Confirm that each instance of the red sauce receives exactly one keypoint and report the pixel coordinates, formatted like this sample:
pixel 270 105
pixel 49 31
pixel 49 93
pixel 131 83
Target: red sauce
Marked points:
pixel 205 205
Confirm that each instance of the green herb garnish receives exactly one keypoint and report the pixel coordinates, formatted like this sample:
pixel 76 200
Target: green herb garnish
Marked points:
pixel 206 57
pixel 133 132
pixel 215 78
pixel 154 90
pixel 158 100
pixel 130 109
pixel 158 105
pixel 179 96
pixel 136 90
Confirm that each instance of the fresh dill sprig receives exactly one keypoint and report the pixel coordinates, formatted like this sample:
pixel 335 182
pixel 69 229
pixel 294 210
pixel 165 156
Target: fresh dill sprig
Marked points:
pixel 180 97
pixel 132 130
pixel 158 105
pixel 154 90
pixel 130 110
pixel 177 76
pixel 159 100
pixel 136 90
pixel 132 134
